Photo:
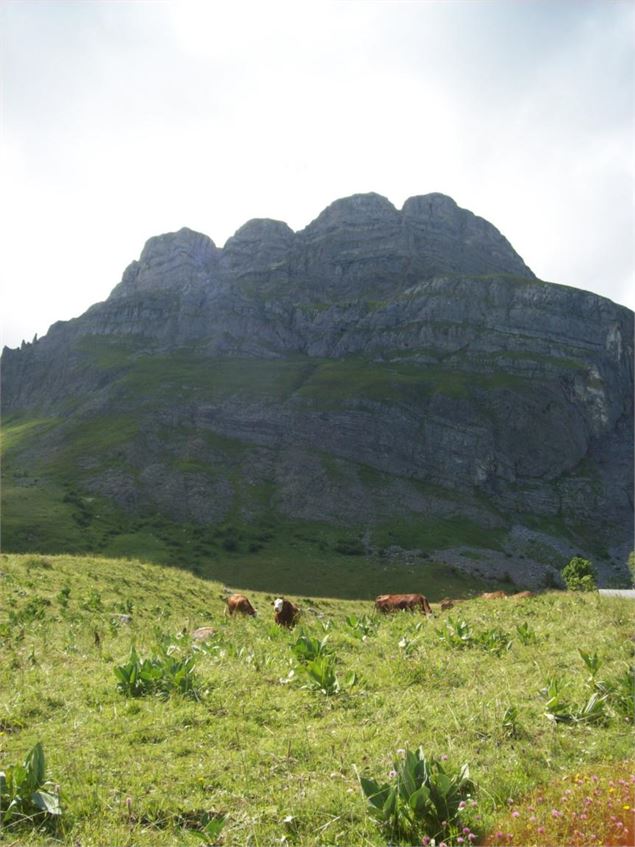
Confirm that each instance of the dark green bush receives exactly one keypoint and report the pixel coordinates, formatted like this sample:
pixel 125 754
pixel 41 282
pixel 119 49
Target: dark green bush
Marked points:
pixel 579 575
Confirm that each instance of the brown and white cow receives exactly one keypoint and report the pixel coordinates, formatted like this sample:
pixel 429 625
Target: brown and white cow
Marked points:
pixel 400 602
pixel 493 595
pixel 239 603
pixel 285 612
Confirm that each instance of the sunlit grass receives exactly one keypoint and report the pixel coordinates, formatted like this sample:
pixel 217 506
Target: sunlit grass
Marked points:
pixel 259 745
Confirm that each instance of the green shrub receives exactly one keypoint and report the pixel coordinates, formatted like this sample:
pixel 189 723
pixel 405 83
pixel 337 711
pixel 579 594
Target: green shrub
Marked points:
pixel 422 799
pixel 579 575
pixel 307 648
pixel 160 675
pixel 321 676
pixel 25 793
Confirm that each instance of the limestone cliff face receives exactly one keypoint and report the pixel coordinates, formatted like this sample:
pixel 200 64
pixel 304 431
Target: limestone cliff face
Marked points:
pixel 414 342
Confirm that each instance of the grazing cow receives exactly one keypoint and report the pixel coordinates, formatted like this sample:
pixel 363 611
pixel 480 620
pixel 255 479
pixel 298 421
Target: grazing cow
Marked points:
pixel 493 595
pixel 446 604
pixel 203 633
pixel 285 613
pixel 239 603
pixel 400 602
pixel 522 595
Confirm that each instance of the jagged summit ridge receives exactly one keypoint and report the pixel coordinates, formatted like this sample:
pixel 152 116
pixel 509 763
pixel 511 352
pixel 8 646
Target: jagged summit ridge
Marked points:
pixel 355 239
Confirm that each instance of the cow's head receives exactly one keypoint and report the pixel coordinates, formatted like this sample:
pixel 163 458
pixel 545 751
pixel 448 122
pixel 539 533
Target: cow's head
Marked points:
pixel 278 603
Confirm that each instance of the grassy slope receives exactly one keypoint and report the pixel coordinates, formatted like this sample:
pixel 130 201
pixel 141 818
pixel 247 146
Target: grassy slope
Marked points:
pixel 259 750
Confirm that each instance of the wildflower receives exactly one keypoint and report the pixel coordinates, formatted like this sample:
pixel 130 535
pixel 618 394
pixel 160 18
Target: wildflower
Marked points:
pixel 462 804
pixel 499 835
pixel 392 774
pixel 555 813
pixel 471 837
pixel 533 819
pixel 460 840
pixel 515 814
pixel 510 801
pixel 466 830
pixel 426 840
pixel 401 752
pixel 444 757
pixel 540 829
pixel 619 825
pixel 626 806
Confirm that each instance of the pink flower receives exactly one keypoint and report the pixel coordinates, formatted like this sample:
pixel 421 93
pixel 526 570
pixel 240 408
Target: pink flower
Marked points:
pixel 444 757
pixel 460 840
pixel 466 830
pixel 515 814
pixel 619 824
pixel 426 840
pixel 555 813
pixel 462 804
pixel 472 837
pixel 499 835
pixel 540 829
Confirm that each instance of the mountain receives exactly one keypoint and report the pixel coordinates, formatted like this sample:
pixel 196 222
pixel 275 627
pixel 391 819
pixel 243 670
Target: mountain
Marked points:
pixel 383 380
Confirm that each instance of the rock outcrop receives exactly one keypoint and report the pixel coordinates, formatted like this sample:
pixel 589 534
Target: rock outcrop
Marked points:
pixel 377 365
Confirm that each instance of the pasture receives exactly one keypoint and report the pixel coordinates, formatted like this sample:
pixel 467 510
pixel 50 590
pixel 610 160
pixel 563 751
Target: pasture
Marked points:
pixel 257 739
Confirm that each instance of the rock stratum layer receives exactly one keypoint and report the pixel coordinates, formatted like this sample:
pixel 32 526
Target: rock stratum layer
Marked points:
pixel 378 369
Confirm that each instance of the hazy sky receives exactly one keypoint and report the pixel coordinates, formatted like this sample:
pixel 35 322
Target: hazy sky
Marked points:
pixel 122 120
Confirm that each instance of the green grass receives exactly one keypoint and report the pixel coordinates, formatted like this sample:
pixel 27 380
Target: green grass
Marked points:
pixel 259 750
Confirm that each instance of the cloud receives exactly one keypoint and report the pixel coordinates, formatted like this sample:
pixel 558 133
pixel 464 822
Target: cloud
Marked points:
pixel 123 120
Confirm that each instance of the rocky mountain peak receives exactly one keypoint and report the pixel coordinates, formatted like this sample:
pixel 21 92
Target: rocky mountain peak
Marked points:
pixel 356 210
pixel 174 260
pixel 257 246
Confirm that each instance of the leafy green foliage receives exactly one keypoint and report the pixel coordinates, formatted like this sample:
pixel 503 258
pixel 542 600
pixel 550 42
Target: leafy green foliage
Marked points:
pixel 307 648
pixel 592 661
pixel 494 641
pixel 161 675
pixel 526 634
pixel 579 575
pixel 25 793
pixel 421 799
pixel 322 676
pixel 510 723
pixel 210 833
pixel 363 626
pixel 559 710
pixel 457 634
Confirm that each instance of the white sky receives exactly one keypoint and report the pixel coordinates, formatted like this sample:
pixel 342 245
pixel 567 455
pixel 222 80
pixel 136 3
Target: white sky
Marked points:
pixel 122 120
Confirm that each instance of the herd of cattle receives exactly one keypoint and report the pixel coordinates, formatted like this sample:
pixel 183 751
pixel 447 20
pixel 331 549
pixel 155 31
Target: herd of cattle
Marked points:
pixel 287 613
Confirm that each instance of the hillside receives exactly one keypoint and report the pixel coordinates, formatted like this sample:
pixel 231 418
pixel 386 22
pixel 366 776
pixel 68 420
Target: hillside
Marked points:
pixel 260 747
pixel 381 379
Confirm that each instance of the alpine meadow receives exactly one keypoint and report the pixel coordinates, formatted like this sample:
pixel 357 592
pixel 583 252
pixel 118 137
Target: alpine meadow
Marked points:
pixel 387 402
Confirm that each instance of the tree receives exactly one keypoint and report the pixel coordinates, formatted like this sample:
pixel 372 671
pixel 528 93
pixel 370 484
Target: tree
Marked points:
pixel 579 575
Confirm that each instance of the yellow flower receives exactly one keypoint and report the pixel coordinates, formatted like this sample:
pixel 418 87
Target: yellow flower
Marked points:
pixel 626 806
